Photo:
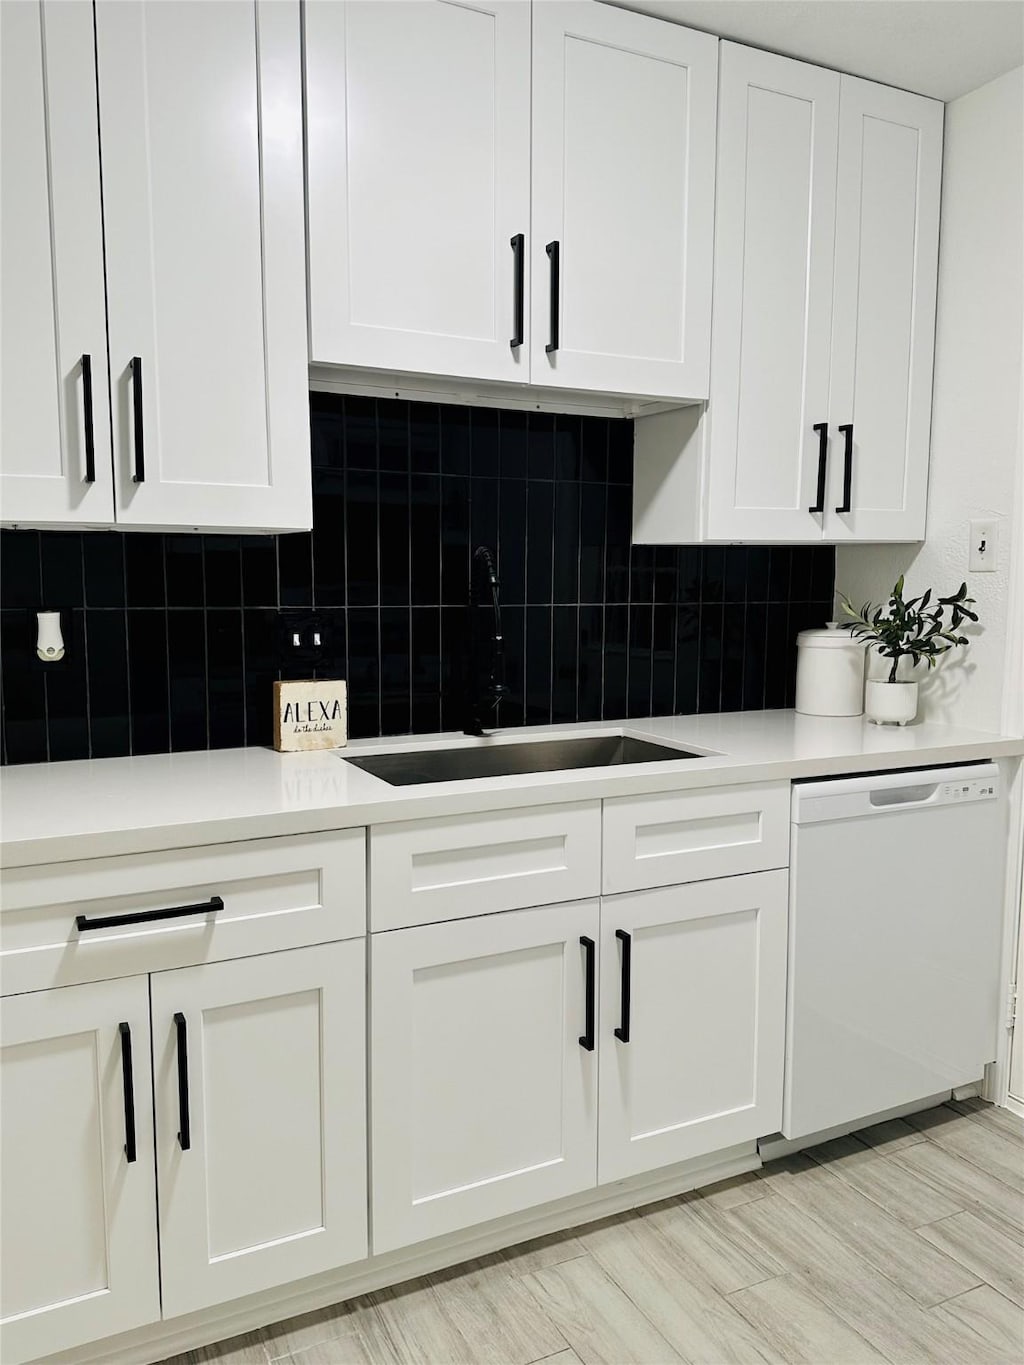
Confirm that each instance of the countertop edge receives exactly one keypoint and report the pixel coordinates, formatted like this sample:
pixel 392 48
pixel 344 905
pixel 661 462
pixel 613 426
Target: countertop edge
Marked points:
pixel 415 804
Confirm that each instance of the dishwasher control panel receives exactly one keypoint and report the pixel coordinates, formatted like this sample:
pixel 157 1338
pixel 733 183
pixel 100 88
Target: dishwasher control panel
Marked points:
pixel 973 789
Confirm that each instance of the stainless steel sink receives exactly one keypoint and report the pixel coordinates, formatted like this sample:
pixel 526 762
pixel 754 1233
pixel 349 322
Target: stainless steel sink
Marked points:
pixel 503 760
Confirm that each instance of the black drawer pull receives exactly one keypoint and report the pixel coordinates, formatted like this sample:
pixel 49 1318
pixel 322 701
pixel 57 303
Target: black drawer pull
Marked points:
pixel 587 1036
pixel 517 243
pixel 622 1032
pixel 83 924
pixel 129 1091
pixel 552 250
pixel 184 1126
pixel 847 431
pixel 90 435
pixel 139 473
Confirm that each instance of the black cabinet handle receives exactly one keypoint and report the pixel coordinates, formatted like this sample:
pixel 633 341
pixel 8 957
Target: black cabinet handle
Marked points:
pixel 83 923
pixel 822 429
pixel 517 243
pixel 587 1036
pixel 622 1032
pixel 139 474
pixel 129 1091
pixel 184 1129
pixel 90 435
pixel 552 250
pixel 847 431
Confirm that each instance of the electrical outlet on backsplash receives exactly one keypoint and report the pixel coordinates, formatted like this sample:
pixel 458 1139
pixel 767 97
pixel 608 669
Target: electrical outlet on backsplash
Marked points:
pixel 174 641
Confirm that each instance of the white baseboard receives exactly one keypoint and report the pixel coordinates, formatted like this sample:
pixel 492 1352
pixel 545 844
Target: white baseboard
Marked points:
pixel 155 1342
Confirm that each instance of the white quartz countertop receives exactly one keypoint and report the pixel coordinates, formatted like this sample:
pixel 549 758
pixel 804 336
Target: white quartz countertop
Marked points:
pixel 98 807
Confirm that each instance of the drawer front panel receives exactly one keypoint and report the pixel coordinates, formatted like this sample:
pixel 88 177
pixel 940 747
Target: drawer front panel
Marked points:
pixel 425 871
pixel 272 894
pixel 690 836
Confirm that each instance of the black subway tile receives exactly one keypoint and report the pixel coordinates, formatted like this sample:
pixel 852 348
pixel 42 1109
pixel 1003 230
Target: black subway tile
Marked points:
pixel 103 553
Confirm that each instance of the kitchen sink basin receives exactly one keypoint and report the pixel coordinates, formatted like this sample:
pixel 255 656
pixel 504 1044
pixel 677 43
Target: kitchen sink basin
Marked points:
pixel 503 760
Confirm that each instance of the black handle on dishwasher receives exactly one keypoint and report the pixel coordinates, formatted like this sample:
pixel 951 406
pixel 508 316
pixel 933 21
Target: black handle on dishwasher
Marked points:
pixel 129 1091
pixel 139 473
pixel 517 243
pixel 83 924
pixel 552 250
pixel 184 1128
pixel 622 1032
pixel 587 1036
pixel 847 431
pixel 822 429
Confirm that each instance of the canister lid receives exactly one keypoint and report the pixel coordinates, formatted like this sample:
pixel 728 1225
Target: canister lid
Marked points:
pixel 831 637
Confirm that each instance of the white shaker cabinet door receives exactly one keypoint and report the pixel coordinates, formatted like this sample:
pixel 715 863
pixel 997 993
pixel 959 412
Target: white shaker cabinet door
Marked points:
pixel 483 1094
pixel 54 414
pixel 260 1121
pixel 418 144
pixel 201 127
pixel 774 228
pixel 693 1019
pixel 623 201
pixel 883 320
pixel 78 1241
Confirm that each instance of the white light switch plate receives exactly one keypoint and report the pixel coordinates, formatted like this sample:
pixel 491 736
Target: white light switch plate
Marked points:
pixel 984 549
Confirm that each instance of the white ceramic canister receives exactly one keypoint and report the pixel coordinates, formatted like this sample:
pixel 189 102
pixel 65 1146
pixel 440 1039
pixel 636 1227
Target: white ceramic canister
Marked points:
pixel 829 672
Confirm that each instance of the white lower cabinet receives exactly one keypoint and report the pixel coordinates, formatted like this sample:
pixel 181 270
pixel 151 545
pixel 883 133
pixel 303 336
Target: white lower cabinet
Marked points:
pixel 78 1242
pixel 260 1121
pixel 693 1015
pixel 484 1070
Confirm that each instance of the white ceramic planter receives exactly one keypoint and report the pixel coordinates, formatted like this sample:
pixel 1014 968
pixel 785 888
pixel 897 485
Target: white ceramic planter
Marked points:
pixel 888 703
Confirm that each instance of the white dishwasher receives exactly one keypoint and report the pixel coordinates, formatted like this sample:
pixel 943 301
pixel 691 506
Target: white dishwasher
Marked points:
pixel 896 912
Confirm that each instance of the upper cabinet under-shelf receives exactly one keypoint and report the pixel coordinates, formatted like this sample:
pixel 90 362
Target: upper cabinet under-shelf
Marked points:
pixel 826 248
pixel 511 193
pixel 196 252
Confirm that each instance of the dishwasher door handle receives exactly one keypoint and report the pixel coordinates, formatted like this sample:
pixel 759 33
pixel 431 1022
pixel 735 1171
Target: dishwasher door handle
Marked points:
pixel 904 796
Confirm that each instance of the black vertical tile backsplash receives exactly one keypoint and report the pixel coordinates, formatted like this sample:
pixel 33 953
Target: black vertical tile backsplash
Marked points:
pixel 174 641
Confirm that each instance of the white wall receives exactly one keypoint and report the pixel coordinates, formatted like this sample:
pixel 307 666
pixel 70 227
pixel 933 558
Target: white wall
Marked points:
pixel 976 443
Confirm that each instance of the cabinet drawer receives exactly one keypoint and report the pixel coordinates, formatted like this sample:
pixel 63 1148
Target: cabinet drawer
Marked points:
pixel 423 871
pixel 689 836
pixel 273 893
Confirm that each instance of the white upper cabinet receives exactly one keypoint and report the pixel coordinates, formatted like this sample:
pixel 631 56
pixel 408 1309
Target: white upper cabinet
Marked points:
pixel 446 239
pixel 883 315
pixel 54 416
pixel 826 257
pixel 418 144
pixel 201 129
pixel 774 230
pixel 623 201
pixel 78 1247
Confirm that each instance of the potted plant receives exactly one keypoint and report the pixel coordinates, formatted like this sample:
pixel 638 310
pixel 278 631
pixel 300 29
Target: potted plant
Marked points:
pixel 913 630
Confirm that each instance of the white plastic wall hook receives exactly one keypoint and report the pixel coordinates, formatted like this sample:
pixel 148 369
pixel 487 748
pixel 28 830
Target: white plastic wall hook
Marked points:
pixel 49 640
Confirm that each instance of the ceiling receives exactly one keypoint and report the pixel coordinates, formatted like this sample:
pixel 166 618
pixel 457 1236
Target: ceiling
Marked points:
pixel 941 48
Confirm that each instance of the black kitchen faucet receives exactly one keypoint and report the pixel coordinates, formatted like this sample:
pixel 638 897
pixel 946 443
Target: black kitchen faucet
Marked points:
pixel 482 696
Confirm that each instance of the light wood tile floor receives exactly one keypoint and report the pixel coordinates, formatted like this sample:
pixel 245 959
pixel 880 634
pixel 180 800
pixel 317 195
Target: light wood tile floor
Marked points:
pixel 902 1243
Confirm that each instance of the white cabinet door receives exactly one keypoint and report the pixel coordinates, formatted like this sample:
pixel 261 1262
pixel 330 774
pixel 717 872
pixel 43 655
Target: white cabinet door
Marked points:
pixel 774 227
pixel 201 128
pixel 693 1017
pixel 54 415
pixel 418 143
pixel 883 320
pixel 78 1248
pixel 261 1121
pixel 483 1095
pixel 623 201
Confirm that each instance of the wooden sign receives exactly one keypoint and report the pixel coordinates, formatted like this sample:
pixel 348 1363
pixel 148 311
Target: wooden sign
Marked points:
pixel 310 715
